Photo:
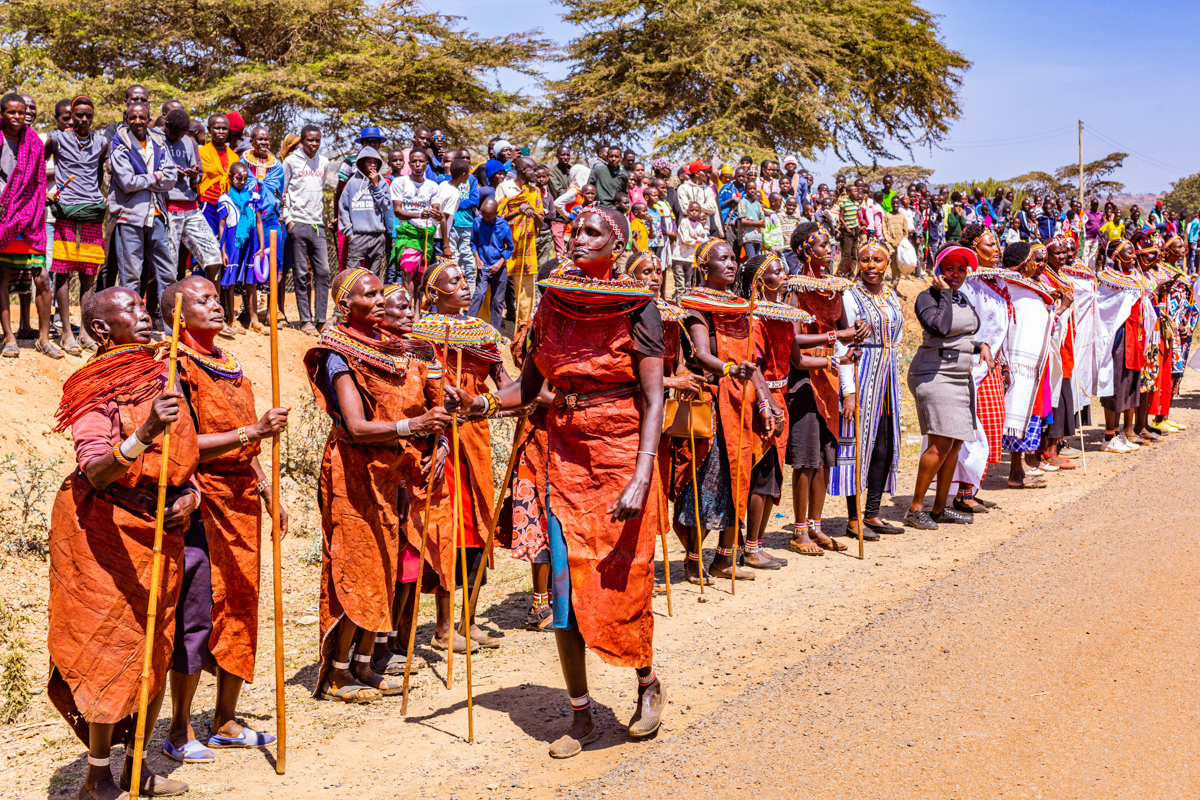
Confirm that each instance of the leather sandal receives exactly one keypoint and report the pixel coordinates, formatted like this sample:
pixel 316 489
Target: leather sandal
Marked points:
pixel 566 747
pixel 643 725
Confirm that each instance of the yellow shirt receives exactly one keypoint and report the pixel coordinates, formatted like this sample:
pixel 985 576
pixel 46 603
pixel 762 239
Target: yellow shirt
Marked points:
pixel 1113 229
pixel 640 234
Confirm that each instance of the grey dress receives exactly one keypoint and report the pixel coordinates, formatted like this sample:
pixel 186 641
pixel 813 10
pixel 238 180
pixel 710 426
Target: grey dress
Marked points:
pixel 939 376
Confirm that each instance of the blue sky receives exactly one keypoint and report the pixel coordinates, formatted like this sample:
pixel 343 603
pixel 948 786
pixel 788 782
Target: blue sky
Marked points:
pixel 1038 67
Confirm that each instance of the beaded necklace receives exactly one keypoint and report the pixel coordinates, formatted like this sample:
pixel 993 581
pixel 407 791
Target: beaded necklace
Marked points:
pixel 769 309
pixel 354 345
pixel 721 301
pixel 469 334
pixel 221 364
pixel 261 165
pixel 573 294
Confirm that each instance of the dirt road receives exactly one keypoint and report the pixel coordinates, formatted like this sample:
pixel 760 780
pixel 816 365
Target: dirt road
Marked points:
pixel 1060 665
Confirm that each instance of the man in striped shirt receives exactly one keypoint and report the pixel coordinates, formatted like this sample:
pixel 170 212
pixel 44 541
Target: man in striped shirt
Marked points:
pixel 850 233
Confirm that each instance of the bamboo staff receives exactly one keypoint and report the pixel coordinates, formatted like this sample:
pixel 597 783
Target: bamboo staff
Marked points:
pixel 662 530
pixel 454 537
pixel 737 484
pixel 487 557
pixel 460 529
pixel 139 732
pixel 276 527
pixel 858 475
pixel 696 496
pixel 412 627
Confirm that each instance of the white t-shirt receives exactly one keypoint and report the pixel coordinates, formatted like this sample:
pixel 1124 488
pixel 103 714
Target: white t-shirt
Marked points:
pixel 414 197
pixel 447 200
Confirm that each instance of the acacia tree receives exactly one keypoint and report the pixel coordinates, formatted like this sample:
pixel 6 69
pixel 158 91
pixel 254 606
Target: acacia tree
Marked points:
pixel 756 75
pixel 873 174
pixel 1184 197
pixel 1095 175
pixel 343 63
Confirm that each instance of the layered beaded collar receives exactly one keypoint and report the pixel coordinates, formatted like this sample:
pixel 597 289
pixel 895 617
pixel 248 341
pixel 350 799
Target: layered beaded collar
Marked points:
pixel 220 364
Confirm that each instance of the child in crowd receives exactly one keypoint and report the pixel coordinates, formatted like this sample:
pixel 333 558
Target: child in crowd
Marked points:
pixel 240 233
pixel 773 240
pixel 639 227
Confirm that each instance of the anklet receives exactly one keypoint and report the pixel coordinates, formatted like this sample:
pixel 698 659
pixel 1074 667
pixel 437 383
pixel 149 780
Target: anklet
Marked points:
pixel 649 679
pixel 394 634
pixel 815 524
pixel 98 762
pixel 753 547
pixel 341 665
pixel 381 638
pixel 800 527
pixel 693 556
pixel 582 703
pixel 721 551
pixel 362 659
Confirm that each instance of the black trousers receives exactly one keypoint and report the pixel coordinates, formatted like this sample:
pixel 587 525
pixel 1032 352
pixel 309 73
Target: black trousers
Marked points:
pixel 878 467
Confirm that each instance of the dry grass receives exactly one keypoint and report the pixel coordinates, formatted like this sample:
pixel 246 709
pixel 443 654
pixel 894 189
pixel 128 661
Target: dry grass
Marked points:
pixel 25 511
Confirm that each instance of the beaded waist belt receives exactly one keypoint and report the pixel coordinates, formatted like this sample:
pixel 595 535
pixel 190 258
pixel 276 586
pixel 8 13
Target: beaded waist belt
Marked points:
pixel 574 401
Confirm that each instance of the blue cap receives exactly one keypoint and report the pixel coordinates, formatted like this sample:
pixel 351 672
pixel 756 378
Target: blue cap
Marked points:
pixel 493 166
pixel 370 132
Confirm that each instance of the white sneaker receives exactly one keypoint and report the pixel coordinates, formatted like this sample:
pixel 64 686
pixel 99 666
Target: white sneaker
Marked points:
pixel 1115 445
pixel 1130 446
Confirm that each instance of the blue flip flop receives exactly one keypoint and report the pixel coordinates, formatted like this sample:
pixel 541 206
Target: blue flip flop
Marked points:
pixel 247 738
pixel 192 752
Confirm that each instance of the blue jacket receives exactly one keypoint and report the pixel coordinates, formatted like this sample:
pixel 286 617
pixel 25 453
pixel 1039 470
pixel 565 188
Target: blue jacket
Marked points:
pixel 492 241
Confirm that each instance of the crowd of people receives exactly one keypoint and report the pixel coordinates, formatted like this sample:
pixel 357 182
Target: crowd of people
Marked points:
pixel 648 308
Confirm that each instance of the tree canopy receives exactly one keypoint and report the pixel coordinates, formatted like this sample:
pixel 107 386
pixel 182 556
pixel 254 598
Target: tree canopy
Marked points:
pixel 1095 174
pixel 901 173
pixel 1184 197
pixel 344 63
pixel 756 76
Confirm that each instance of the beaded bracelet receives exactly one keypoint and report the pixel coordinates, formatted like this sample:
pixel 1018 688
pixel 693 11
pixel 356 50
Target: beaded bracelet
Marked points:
pixel 263 487
pixel 833 362
pixel 493 405
pixel 727 369
pixel 832 338
pixel 764 407
pixel 243 437
pixel 121 459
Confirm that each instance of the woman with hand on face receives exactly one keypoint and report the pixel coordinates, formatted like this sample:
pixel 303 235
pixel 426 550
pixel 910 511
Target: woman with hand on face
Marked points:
pixel 102 536
pixel 939 378
pixel 216 620
pixel 872 386
pixel 720 329
pixel 473 344
pixel 674 453
pixel 376 440
pixel 598 340
pixel 814 412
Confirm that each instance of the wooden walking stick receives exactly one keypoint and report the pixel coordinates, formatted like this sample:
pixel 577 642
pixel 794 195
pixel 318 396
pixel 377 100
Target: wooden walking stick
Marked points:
pixel 662 530
pixel 737 484
pixel 454 537
pixel 460 529
pixel 139 731
pixel 696 500
pixel 412 627
pixel 490 543
pixel 276 527
pixel 859 483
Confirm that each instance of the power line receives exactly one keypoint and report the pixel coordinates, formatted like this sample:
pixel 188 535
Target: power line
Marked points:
pixel 1009 140
pixel 1114 143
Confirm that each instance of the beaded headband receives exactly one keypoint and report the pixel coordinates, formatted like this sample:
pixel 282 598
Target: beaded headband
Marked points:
pixel 348 282
pixel 433 274
pixel 703 250
pixel 612 224
pixel 770 259
pixel 640 257
pixel 394 289
pixel 812 238
pixel 1172 238
pixel 873 245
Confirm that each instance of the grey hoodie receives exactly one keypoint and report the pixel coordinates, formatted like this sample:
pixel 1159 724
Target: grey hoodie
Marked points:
pixel 365 208
pixel 134 191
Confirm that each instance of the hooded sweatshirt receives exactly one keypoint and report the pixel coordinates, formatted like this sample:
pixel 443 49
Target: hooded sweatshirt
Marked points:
pixel 365 208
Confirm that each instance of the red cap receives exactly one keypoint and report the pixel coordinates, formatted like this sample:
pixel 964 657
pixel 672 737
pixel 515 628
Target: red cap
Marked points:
pixel 236 123
pixel 697 166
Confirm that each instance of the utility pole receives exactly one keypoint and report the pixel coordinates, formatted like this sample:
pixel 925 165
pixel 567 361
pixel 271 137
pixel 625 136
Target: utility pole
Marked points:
pixel 1080 167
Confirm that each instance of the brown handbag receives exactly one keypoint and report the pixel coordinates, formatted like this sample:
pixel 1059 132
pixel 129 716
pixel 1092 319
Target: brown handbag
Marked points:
pixel 679 414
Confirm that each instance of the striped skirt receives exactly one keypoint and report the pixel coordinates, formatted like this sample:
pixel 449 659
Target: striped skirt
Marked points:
pixel 78 247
